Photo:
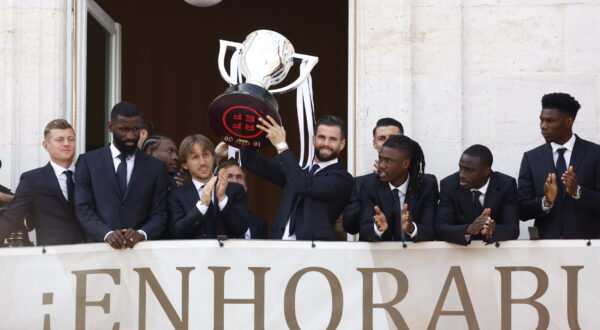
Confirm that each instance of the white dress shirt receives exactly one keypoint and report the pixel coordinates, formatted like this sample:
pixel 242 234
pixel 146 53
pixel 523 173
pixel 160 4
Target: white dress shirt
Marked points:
pixel 568 152
pixel 286 234
pixel 402 194
pixel 482 190
pixel 201 207
pixel 130 160
pixel 59 171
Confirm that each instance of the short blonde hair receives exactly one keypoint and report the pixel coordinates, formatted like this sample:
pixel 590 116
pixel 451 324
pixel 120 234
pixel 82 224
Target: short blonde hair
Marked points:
pixel 188 142
pixel 56 124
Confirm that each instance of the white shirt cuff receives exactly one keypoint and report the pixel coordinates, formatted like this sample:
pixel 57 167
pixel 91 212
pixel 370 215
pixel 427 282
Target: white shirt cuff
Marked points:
pixel 545 208
pixel 110 232
pixel 143 233
pixel 578 196
pixel 223 203
pixel 414 233
pixel 468 238
pixel 201 207
pixel 377 232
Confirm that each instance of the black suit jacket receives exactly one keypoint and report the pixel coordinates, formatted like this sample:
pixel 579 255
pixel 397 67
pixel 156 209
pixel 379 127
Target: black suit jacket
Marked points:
pixel 568 218
pixel 100 205
pixel 322 196
pixel 258 226
pixel 39 195
pixel 422 206
pixel 351 214
pixel 455 212
pixel 188 222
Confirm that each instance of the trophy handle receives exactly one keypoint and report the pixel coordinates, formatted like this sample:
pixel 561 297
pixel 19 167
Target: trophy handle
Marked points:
pixel 224 45
pixel 304 72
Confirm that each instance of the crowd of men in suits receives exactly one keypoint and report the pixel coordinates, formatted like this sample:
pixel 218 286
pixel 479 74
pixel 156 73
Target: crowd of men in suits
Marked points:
pixel 138 189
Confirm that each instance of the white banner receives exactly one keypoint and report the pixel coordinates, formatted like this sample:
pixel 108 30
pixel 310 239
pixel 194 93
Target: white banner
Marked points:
pixel 279 285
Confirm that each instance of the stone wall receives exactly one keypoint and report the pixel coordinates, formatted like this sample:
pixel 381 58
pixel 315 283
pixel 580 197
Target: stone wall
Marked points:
pixel 33 37
pixel 456 73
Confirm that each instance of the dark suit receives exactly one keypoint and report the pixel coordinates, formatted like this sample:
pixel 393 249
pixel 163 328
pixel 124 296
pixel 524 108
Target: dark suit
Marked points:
pixel 188 222
pixel 100 206
pixel 258 226
pixel 455 212
pixel 351 212
pixel 422 206
pixel 39 195
pixel 568 218
pixel 320 198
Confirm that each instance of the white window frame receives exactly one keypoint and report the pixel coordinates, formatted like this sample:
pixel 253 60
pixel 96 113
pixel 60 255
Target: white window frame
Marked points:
pixel 77 71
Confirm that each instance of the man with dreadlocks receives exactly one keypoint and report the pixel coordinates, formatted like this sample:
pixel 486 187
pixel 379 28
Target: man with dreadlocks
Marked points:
pixel 399 203
pixel 476 202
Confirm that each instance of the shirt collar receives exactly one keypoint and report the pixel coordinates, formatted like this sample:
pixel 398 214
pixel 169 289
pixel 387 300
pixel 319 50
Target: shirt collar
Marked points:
pixel 322 165
pixel 568 145
pixel 198 184
pixel 483 189
pixel 116 152
pixel 58 170
pixel 403 188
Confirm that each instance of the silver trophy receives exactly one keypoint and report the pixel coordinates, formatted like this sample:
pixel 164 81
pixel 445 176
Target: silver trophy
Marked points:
pixel 265 58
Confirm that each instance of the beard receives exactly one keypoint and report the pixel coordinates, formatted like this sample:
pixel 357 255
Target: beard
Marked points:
pixel 324 158
pixel 120 144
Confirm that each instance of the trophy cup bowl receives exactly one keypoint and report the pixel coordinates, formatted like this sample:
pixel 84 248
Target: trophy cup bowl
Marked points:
pixel 265 60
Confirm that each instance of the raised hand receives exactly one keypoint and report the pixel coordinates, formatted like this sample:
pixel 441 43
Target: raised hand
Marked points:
pixel 221 185
pixel 569 178
pixel 275 132
pixel 550 188
pixel 221 151
pixel 406 220
pixel 380 219
pixel 207 191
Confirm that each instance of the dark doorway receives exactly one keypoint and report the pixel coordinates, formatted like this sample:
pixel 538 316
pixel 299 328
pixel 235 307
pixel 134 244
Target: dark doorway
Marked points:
pixel 97 81
pixel 169 63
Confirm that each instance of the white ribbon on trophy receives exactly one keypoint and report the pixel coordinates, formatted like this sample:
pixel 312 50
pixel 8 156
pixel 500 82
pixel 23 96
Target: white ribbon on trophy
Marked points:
pixel 306 109
pixel 236 75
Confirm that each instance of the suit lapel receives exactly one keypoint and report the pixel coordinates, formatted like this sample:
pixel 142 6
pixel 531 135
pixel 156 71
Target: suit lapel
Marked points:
pixel 578 153
pixel 492 194
pixel 52 183
pixel 465 199
pixel 387 204
pixel 136 173
pixel 109 167
pixel 548 160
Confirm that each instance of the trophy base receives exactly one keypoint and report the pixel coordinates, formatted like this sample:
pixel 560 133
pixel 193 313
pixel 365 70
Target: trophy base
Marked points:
pixel 233 115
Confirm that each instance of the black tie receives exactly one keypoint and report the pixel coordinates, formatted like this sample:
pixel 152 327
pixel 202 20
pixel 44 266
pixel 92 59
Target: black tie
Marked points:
pixel 70 189
pixel 313 169
pixel 122 174
pixel 561 166
pixel 396 224
pixel 292 230
pixel 477 207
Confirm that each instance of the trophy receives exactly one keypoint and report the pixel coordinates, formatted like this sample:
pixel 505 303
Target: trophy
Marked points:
pixel 265 58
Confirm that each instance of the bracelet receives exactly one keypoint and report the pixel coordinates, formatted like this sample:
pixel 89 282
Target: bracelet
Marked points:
pixel 281 145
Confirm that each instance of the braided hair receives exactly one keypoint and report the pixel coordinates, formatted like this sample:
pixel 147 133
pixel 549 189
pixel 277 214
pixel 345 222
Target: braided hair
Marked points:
pixel 413 151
